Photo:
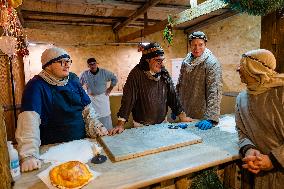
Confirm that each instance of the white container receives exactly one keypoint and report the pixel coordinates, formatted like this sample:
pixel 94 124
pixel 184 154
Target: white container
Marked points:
pixel 14 161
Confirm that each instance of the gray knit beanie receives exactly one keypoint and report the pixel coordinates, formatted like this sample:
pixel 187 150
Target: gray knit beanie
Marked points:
pixel 52 55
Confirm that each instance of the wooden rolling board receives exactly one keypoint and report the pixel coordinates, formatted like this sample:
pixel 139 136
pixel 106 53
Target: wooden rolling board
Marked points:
pixel 146 140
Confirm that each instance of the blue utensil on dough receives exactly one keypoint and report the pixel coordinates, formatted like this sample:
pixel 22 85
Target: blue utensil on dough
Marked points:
pixel 173 127
pixel 181 125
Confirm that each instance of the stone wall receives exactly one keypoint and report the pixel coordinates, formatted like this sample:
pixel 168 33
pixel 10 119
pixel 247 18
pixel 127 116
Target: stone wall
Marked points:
pixel 228 39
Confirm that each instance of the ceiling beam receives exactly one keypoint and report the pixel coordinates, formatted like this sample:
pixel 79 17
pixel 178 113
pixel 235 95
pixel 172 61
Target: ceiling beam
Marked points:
pixel 136 14
pixel 27 13
pixel 146 31
pixel 109 4
pixel 210 21
pixel 36 16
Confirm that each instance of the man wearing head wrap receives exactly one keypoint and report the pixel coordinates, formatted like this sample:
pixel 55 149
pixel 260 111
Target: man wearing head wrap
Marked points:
pixel 200 83
pixel 260 119
pixel 55 108
pixel 148 92
pixel 95 79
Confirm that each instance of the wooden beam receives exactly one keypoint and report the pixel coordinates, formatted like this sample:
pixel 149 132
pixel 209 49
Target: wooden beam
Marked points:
pixel 107 4
pixel 210 21
pixel 146 31
pixel 20 16
pixel 78 19
pixel 135 15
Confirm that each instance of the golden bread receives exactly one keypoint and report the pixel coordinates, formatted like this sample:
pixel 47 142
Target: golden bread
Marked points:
pixel 72 174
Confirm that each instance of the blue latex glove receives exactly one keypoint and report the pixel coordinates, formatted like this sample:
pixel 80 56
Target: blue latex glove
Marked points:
pixel 173 116
pixel 204 124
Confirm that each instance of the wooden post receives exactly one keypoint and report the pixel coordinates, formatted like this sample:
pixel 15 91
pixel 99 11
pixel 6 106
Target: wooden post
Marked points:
pixel 5 175
pixel 272 36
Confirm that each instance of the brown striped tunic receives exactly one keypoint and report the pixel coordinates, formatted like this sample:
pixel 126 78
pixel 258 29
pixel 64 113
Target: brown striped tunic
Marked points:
pixel 148 99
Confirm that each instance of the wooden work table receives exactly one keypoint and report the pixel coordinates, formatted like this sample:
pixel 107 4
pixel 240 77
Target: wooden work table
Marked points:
pixel 218 147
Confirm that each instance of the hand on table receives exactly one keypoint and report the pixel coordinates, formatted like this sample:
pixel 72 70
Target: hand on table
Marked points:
pixel 101 130
pixel 30 163
pixel 186 119
pixel 204 124
pixel 116 130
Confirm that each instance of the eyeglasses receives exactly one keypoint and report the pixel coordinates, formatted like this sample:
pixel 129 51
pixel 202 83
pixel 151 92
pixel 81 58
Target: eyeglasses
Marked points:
pixel 159 60
pixel 65 62
pixel 92 63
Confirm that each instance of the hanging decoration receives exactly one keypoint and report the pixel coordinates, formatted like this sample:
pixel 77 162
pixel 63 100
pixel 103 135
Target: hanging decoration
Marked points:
pixel 8 45
pixel 168 31
pixel 14 3
pixel 3 17
pixel 11 3
pixel 255 7
pixel 13 28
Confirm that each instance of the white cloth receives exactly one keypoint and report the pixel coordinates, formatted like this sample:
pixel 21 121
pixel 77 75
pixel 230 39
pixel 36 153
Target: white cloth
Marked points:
pixel 49 78
pixel 67 152
pixel 101 104
pixel 28 134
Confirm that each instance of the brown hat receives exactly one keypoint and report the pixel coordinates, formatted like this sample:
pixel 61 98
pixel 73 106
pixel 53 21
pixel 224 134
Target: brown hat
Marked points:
pixel 152 50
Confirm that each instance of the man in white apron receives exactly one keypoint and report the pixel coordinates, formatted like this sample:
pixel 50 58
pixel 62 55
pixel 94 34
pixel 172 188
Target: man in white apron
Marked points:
pixel 95 81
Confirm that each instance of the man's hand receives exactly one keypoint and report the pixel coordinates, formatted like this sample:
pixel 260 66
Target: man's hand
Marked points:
pixel 30 163
pixel 264 162
pixel 250 160
pixel 183 118
pixel 186 119
pixel 116 130
pixel 108 90
pixel 204 124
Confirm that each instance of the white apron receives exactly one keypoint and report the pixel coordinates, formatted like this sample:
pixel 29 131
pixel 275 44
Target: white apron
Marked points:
pixel 101 104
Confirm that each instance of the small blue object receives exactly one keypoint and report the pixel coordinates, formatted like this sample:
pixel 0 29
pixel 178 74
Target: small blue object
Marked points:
pixel 204 124
pixel 182 125
pixel 173 127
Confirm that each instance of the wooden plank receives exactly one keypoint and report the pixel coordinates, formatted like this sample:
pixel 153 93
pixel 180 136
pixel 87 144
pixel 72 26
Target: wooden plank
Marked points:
pixel 142 141
pixel 146 31
pixel 230 176
pixel 272 38
pixel 210 21
pixel 136 14
pixel 5 175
